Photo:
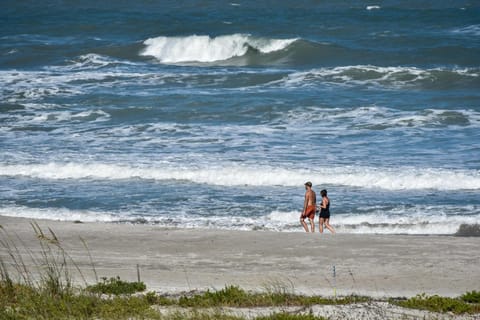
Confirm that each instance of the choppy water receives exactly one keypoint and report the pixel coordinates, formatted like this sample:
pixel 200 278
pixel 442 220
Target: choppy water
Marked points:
pixel 214 114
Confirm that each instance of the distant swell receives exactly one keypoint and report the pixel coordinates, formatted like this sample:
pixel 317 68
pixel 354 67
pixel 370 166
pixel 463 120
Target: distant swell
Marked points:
pixel 235 175
pixel 207 49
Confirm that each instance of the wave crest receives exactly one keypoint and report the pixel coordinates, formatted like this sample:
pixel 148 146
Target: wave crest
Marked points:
pixel 235 175
pixel 197 48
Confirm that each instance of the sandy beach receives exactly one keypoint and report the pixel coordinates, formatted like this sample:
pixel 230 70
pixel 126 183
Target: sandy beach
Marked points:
pixel 177 260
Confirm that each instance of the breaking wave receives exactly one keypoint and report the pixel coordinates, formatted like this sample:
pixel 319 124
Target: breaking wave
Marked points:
pixel 197 48
pixel 236 175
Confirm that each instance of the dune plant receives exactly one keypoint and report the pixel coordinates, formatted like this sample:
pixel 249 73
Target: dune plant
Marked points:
pixel 38 284
pixel 440 304
pixel 233 296
pixel 471 297
pixel 116 286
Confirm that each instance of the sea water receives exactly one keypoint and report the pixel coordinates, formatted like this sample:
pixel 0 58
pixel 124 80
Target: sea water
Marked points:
pixel 213 114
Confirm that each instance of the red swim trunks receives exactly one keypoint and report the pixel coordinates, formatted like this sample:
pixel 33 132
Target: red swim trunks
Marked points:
pixel 310 212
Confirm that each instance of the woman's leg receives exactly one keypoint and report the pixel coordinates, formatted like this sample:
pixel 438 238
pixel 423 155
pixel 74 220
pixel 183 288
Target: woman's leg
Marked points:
pixel 328 226
pixel 320 225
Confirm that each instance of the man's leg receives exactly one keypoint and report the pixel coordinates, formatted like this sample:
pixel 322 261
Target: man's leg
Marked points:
pixel 304 224
pixel 312 225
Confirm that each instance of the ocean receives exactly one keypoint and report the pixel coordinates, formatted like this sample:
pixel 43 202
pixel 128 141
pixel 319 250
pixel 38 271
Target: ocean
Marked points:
pixel 213 114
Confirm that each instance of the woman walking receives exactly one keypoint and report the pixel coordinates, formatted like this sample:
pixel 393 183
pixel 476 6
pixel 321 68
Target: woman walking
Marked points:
pixel 325 213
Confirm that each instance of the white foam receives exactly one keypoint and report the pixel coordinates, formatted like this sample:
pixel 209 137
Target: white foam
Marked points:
pixel 91 61
pixel 197 48
pixel 347 120
pixel 405 178
pixel 62 116
pixel 82 77
pixel 412 220
pixel 468 30
pixel 371 75
pixel 61 214
pixel 374 7
pixel 418 219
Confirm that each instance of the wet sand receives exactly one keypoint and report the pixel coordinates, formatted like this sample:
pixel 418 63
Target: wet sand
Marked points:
pixel 177 260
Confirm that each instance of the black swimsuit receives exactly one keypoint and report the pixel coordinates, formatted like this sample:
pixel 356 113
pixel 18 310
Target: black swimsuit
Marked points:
pixel 325 212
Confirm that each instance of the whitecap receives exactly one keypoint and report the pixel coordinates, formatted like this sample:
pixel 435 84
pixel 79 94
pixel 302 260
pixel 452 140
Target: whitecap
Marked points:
pixel 197 48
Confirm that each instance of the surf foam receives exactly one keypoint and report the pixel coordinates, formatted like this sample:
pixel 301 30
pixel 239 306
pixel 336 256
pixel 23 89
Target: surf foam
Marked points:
pixel 61 214
pixel 375 117
pixel 371 75
pixel 200 48
pixel 413 220
pixel 400 220
pixel 406 178
pixel 468 30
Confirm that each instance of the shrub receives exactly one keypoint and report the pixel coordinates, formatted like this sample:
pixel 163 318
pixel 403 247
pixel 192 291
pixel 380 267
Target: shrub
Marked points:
pixel 471 297
pixel 438 304
pixel 116 286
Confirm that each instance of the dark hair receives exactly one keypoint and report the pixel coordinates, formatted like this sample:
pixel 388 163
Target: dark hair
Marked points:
pixel 323 192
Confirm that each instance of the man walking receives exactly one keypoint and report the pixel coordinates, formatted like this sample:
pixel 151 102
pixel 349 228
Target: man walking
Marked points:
pixel 309 207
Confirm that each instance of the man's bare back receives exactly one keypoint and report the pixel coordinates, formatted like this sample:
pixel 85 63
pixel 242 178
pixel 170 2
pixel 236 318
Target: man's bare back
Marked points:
pixel 311 197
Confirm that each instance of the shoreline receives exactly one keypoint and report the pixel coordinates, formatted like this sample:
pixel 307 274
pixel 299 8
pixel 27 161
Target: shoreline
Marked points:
pixel 178 260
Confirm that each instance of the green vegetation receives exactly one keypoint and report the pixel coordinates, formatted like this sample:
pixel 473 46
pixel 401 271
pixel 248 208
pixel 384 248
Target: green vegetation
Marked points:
pixel 471 297
pixel 24 302
pixel 117 286
pixel 443 304
pixel 45 290
pixel 233 296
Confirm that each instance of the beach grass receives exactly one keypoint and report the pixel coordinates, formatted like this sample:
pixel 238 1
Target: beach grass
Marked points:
pixel 465 304
pixel 234 296
pixel 471 297
pixel 24 302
